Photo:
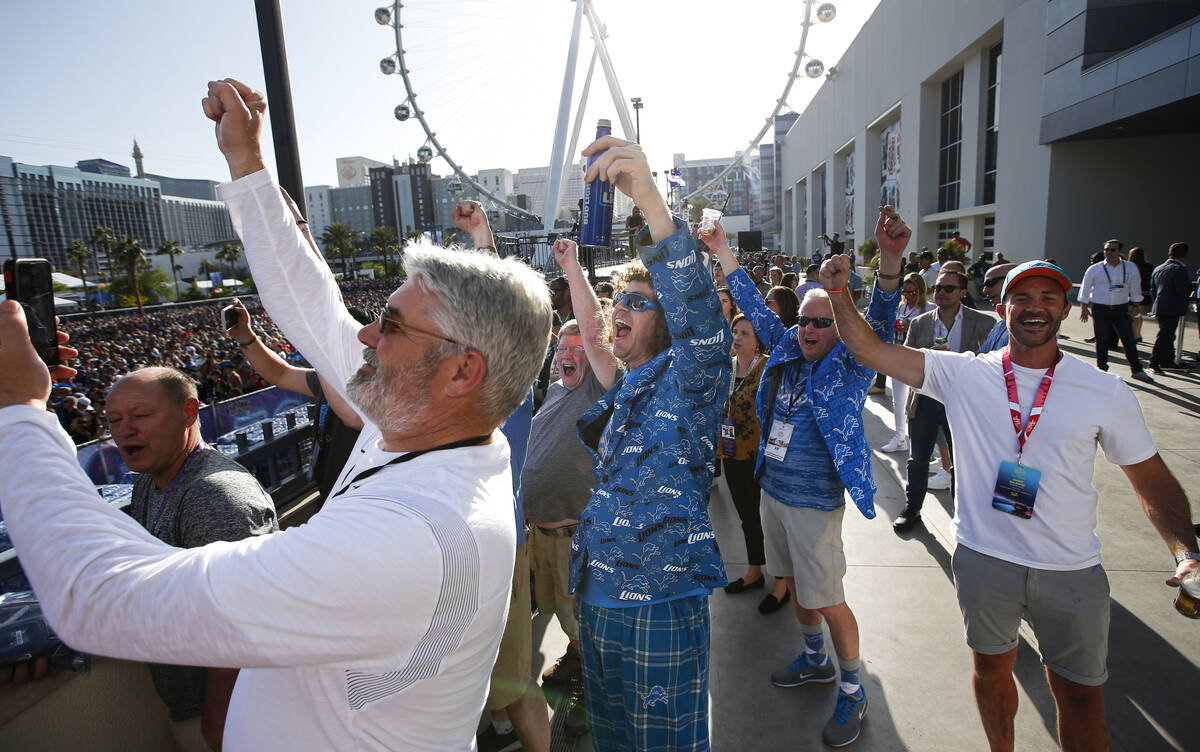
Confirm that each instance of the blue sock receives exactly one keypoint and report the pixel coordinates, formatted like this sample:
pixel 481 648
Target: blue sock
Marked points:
pixel 814 644
pixel 850 684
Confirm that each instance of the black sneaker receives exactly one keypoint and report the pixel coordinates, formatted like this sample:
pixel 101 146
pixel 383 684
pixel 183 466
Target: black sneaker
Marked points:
pixel 566 669
pixel 906 519
pixel 493 741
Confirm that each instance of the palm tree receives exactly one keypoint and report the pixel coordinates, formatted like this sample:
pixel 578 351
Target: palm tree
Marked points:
pixel 339 241
pixel 132 257
pixel 171 248
pixel 230 253
pixel 382 241
pixel 79 253
pixel 104 239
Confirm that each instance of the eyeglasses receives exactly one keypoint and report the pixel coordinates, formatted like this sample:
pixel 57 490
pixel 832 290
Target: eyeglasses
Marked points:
pixel 386 321
pixel 818 322
pixel 576 350
pixel 946 288
pixel 635 301
pixel 989 282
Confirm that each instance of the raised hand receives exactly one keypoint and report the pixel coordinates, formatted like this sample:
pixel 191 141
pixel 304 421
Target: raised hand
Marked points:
pixel 238 111
pixel 835 273
pixel 566 253
pixel 241 331
pixel 470 217
pixel 24 379
pixel 891 233
pixel 624 164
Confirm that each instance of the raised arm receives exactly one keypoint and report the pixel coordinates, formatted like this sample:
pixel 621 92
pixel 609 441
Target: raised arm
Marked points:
pixel 767 326
pixel 470 217
pixel 699 334
pixel 863 340
pixel 587 313
pixel 270 366
pixel 296 286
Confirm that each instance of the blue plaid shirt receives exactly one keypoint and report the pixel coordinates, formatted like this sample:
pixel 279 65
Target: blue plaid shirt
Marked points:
pixel 645 535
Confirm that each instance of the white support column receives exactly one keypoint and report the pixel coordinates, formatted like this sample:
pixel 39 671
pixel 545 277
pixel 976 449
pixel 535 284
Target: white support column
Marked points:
pixel 550 211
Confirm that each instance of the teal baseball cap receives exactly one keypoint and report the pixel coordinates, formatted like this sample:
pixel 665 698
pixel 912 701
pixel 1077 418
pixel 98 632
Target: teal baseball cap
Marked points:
pixel 1035 269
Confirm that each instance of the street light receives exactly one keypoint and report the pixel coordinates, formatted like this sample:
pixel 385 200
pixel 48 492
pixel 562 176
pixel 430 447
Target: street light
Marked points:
pixel 637 113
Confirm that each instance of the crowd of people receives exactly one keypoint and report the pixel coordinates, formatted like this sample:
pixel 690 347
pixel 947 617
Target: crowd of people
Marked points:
pixel 405 601
pixel 189 337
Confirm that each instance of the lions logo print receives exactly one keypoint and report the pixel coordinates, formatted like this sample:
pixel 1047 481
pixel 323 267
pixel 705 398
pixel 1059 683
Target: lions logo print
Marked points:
pixel 655 696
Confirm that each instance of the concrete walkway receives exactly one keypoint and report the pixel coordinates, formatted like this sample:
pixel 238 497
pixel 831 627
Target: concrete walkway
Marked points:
pixel 917 667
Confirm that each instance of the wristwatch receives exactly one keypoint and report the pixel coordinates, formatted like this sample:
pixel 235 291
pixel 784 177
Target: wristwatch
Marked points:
pixel 1187 555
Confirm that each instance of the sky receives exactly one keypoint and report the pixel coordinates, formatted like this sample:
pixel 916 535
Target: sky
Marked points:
pixel 84 79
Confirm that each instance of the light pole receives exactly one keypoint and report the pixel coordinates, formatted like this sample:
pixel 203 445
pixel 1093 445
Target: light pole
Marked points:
pixel 637 113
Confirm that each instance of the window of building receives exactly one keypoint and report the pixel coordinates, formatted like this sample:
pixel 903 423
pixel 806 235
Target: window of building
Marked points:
pixel 946 231
pixel 991 133
pixel 950 143
pixel 989 233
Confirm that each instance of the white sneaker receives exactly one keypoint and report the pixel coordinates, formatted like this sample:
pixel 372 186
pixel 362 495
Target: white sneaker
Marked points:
pixel 897 444
pixel 940 481
pixel 935 465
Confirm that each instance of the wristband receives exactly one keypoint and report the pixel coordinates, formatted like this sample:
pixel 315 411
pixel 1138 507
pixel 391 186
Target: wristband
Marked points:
pixel 833 292
pixel 491 248
pixel 881 275
pixel 1185 556
pixel 248 342
pixel 301 221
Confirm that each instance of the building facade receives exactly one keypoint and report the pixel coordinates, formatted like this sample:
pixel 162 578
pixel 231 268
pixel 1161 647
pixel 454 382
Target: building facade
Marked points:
pixel 196 223
pixel 1034 128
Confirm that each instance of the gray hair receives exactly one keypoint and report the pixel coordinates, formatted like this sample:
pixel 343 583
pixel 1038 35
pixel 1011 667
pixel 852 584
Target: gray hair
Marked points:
pixel 569 328
pixel 177 384
pixel 814 293
pixel 501 308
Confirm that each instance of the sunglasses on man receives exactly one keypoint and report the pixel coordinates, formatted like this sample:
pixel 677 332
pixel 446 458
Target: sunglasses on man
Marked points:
pixel 635 301
pixel 818 322
pixel 989 282
pixel 946 288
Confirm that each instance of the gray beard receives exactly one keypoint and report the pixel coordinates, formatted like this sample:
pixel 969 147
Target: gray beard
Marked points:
pixel 392 400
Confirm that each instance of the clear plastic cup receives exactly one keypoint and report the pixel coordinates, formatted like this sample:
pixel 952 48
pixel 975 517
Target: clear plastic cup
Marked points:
pixel 708 221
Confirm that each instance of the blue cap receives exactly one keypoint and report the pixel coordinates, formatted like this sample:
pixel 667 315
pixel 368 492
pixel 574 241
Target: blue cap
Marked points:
pixel 1035 269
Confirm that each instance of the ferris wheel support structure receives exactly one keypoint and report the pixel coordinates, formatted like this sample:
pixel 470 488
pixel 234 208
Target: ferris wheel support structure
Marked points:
pixel 824 14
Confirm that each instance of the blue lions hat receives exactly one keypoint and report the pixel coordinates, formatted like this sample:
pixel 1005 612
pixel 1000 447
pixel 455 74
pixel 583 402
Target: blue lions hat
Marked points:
pixel 1035 269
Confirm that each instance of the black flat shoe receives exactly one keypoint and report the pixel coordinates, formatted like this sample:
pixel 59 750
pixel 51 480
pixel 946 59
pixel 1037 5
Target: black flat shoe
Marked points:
pixel 771 604
pixel 740 585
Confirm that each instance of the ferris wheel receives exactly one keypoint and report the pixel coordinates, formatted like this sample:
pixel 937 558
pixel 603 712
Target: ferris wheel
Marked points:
pixel 432 39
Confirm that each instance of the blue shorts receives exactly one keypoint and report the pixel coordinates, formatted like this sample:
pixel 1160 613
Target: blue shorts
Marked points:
pixel 645 673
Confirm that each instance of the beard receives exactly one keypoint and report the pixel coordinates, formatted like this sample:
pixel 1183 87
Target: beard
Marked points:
pixel 1039 339
pixel 393 399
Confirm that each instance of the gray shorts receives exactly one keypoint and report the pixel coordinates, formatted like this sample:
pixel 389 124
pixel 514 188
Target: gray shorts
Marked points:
pixel 806 544
pixel 1067 610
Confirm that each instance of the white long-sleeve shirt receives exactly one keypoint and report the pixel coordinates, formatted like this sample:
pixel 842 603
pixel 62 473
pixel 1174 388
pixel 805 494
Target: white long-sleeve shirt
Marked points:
pixel 1105 284
pixel 374 626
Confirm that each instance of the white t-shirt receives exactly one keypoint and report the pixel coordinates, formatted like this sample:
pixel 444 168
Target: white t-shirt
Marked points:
pixel 1085 406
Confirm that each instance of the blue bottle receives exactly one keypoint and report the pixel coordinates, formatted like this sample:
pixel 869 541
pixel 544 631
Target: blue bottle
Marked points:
pixel 595 226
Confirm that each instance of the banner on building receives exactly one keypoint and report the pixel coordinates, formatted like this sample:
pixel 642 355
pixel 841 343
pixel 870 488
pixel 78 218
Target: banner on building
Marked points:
pixel 889 190
pixel 848 228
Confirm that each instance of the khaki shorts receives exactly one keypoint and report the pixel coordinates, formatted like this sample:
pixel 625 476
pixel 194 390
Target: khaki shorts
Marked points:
pixel 1068 612
pixel 806 544
pixel 550 560
pixel 511 674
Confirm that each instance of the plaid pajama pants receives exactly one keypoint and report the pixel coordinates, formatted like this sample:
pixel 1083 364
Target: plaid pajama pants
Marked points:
pixel 645 673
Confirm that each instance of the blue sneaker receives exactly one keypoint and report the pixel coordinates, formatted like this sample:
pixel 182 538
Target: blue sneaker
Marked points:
pixel 802 671
pixel 843 728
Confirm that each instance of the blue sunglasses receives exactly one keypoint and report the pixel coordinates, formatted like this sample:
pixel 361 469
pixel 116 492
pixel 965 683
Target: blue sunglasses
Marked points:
pixel 635 301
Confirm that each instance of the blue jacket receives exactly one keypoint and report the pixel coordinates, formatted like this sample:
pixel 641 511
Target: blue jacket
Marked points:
pixel 842 385
pixel 645 534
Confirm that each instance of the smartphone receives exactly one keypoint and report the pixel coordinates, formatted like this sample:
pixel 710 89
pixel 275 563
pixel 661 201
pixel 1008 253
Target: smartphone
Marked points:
pixel 28 281
pixel 229 315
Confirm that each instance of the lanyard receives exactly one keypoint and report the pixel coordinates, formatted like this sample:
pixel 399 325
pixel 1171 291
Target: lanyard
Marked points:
pixel 474 440
pixel 1014 403
pixel 1123 273
pixel 169 490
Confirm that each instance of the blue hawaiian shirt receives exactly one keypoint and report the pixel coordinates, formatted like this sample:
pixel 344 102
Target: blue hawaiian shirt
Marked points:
pixel 839 388
pixel 645 535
